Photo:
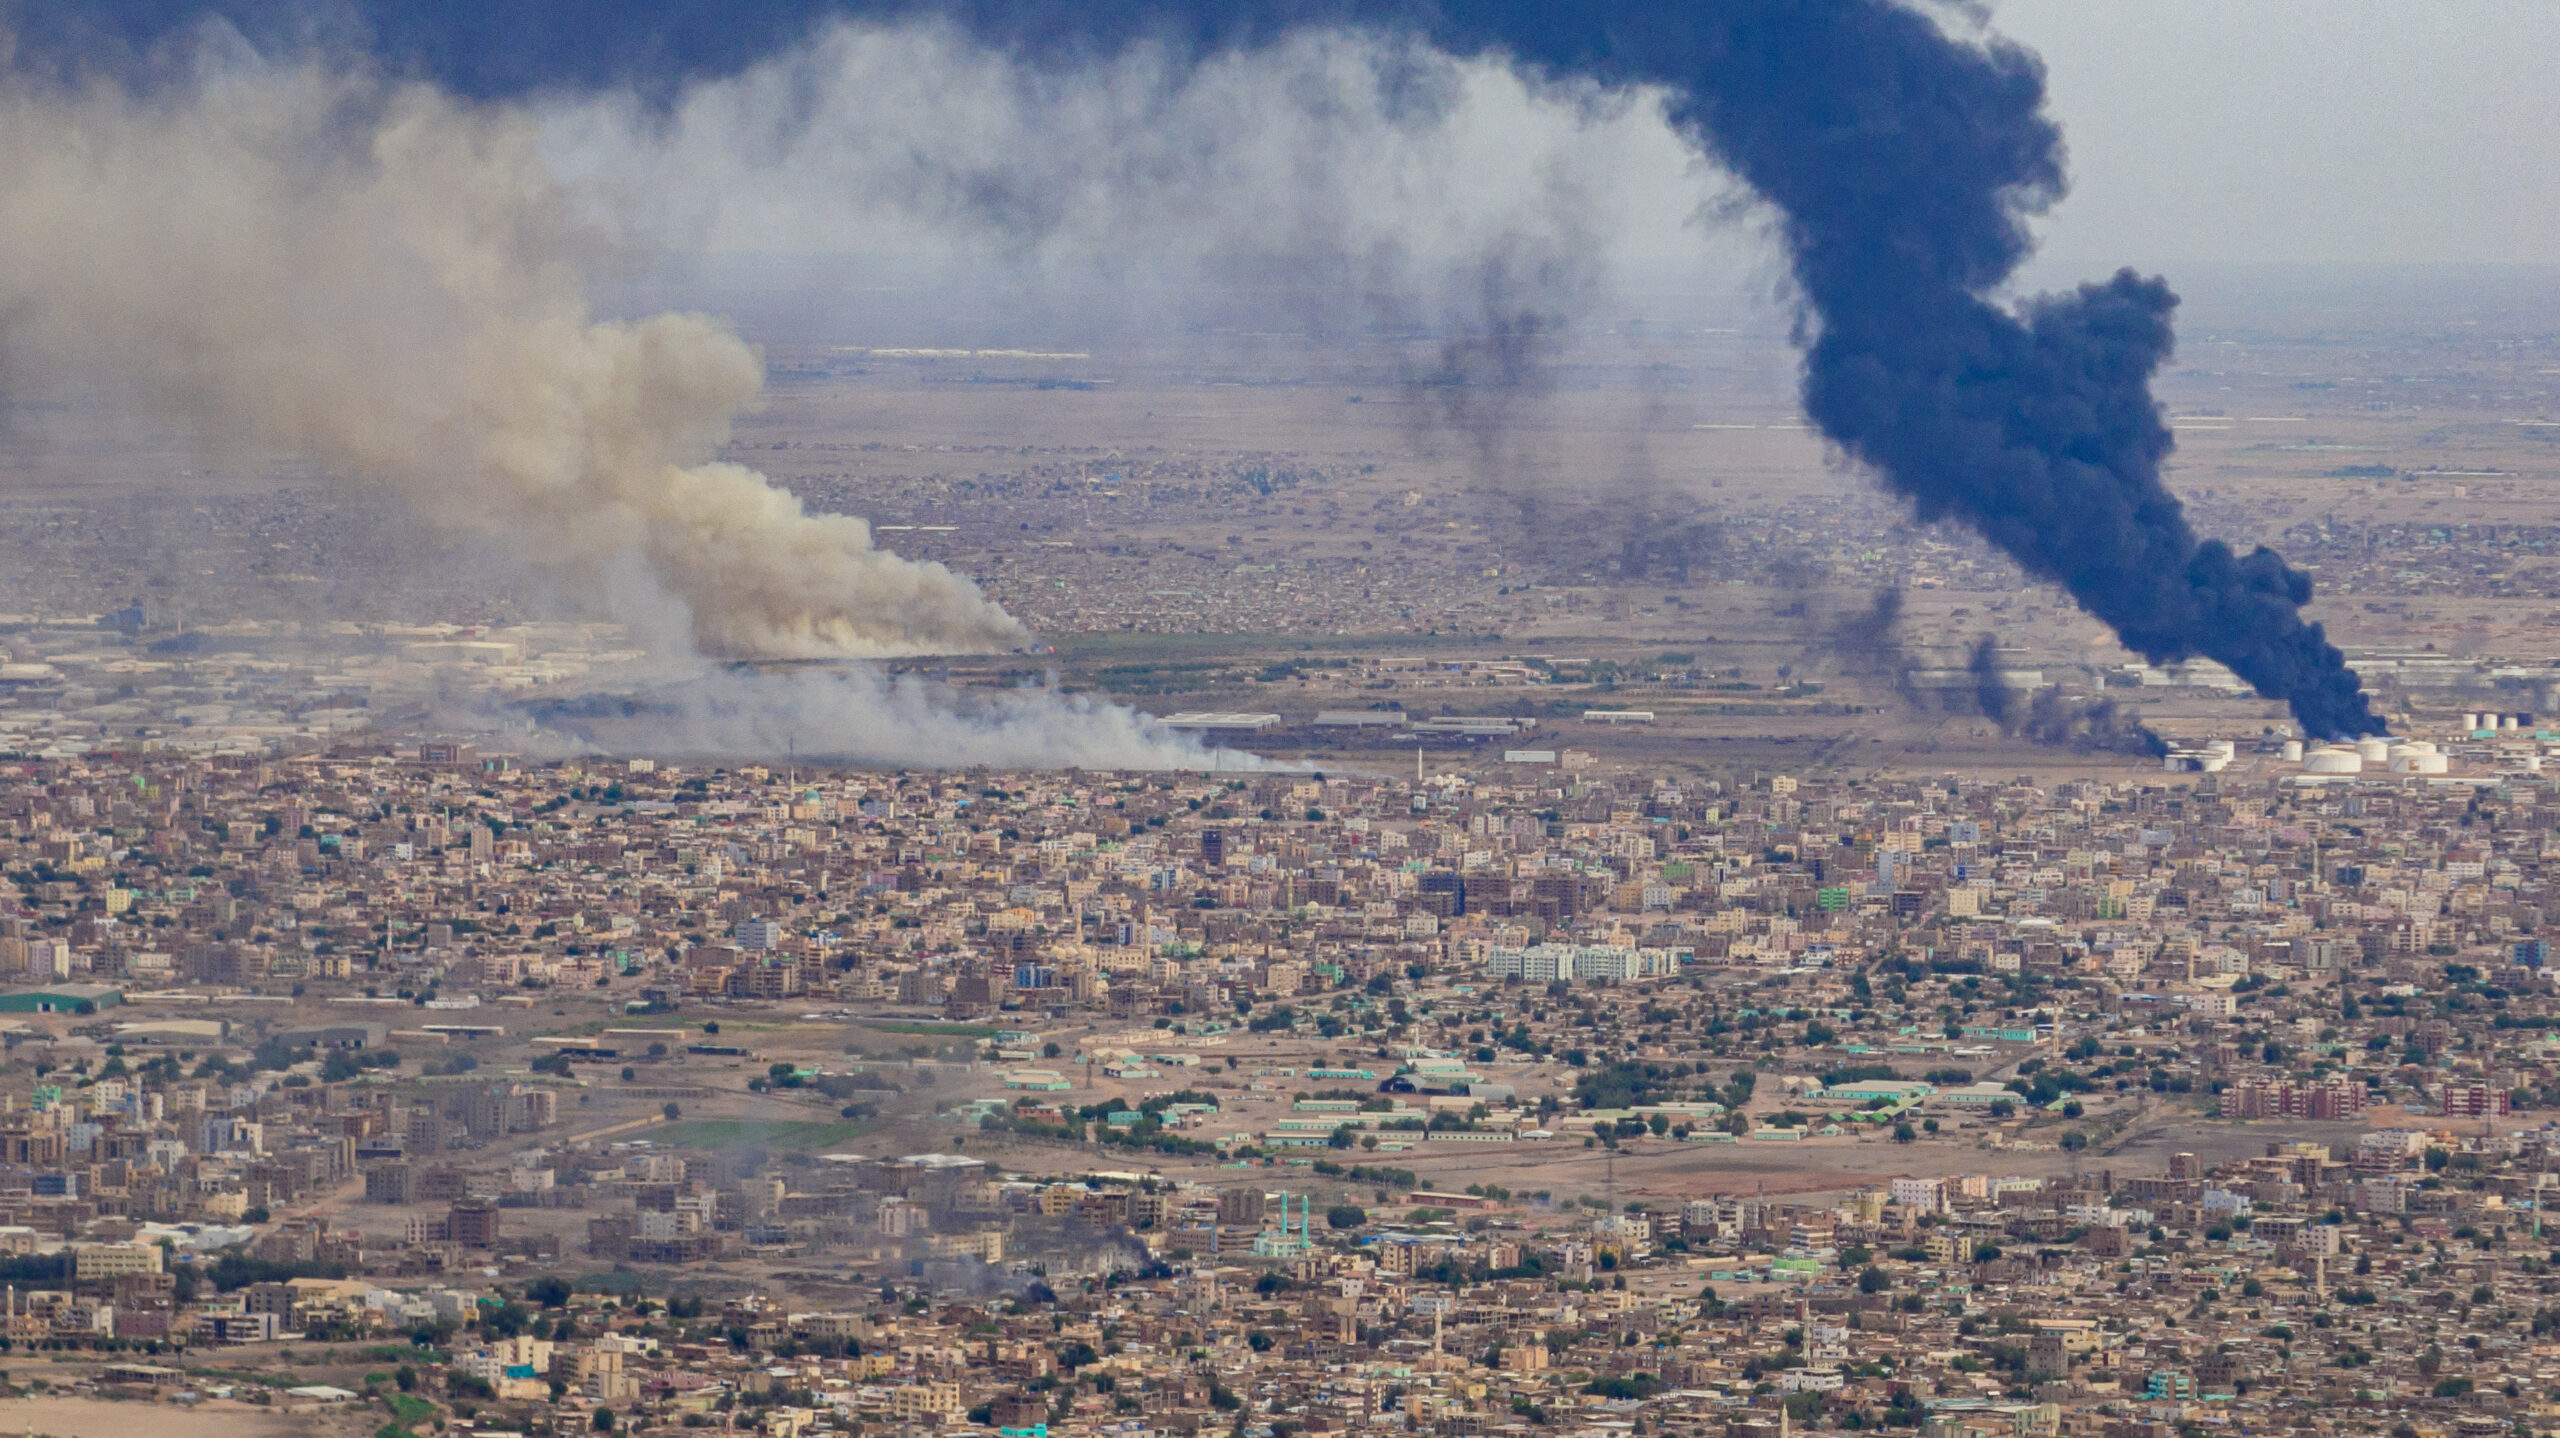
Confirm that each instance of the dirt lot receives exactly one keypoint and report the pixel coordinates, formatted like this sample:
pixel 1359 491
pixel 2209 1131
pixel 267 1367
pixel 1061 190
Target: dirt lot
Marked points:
pixel 72 1417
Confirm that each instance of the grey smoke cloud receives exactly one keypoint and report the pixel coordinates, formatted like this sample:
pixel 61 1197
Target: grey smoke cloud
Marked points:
pixel 1421 190
pixel 1336 183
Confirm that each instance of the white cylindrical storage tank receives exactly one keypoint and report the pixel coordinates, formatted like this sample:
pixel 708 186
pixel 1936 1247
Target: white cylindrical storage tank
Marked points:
pixel 2372 750
pixel 2332 761
pixel 2293 751
pixel 2533 763
pixel 2509 721
pixel 2223 747
pixel 2212 761
pixel 2470 723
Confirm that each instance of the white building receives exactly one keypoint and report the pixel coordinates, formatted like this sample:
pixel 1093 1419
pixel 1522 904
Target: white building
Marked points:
pixel 1546 963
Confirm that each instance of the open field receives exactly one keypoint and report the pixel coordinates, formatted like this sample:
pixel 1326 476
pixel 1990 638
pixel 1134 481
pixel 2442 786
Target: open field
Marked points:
pixel 70 1417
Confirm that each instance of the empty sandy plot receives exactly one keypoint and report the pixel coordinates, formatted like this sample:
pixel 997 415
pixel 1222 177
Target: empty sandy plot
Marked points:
pixel 109 1418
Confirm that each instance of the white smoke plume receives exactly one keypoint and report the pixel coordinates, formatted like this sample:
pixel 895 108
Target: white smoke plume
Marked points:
pixel 386 283
pixel 861 715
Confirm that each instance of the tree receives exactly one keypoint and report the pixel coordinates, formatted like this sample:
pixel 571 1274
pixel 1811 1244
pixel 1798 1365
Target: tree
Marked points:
pixel 1904 1133
pixel 603 1420
pixel 672 1112
pixel 1874 1280
pixel 1345 1215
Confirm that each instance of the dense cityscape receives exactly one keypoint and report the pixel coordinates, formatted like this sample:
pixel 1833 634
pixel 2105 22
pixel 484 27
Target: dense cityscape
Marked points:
pixel 1220 719
pixel 517 1096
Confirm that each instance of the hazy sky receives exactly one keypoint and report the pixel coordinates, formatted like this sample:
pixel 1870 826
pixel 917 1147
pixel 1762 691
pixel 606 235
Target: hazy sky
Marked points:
pixel 2201 132
pixel 2321 130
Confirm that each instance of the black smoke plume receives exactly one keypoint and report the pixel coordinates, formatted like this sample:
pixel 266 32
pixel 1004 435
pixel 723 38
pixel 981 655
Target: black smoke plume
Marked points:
pixel 1901 163
pixel 2052 719
pixel 2096 726
pixel 1990 695
pixel 1874 628
pixel 1868 644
